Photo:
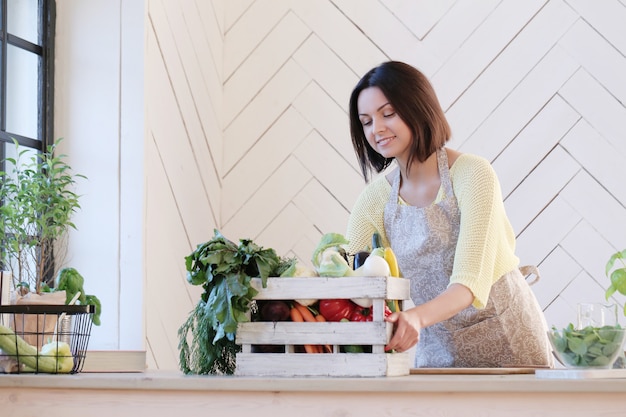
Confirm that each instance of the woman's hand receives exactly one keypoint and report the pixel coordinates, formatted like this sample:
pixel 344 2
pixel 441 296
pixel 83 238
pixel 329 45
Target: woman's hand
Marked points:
pixel 409 323
pixel 406 332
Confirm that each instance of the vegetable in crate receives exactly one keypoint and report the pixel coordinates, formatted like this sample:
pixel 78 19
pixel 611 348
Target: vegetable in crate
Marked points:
pixel 298 269
pixel 224 270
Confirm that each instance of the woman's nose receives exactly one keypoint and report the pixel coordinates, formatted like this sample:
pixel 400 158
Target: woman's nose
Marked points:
pixel 377 125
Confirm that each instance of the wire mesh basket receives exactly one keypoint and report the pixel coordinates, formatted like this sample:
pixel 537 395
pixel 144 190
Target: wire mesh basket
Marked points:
pixel 44 338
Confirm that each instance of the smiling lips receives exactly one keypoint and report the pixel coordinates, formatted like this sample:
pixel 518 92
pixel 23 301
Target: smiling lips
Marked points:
pixel 384 141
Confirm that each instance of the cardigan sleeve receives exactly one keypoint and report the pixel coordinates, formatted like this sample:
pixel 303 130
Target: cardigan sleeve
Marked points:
pixel 486 245
pixel 367 216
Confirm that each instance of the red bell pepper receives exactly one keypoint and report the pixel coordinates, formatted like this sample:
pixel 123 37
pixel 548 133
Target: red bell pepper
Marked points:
pixel 336 309
pixel 361 314
pixel 366 314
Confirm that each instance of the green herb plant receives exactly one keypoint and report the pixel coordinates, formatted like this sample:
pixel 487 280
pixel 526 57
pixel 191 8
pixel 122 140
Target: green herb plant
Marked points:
pixel 37 203
pixel 588 347
pixel 617 275
pixel 224 270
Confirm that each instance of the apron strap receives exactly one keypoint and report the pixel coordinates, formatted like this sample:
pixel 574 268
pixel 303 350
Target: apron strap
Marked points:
pixel 527 270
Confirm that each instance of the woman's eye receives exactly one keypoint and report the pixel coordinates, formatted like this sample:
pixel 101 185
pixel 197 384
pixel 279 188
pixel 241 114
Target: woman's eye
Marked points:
pixel 389 114
pixel 366 122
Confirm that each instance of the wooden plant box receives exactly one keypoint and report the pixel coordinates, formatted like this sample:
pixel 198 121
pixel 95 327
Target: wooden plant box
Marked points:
pixel 291 334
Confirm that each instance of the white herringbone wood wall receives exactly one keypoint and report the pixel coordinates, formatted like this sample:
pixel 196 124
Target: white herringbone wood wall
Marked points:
pixel 248 132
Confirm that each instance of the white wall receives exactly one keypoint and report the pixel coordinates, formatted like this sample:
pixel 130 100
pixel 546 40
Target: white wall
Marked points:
pixel 99 113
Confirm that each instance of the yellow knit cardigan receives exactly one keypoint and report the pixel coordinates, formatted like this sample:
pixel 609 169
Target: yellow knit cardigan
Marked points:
pixel 486 246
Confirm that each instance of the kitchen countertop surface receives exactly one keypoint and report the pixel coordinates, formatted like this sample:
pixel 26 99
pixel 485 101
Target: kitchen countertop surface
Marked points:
pixel 429 382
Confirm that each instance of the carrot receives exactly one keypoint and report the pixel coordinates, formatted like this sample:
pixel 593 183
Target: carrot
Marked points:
pixel 306 313
pixel 324 348
pixel 296 316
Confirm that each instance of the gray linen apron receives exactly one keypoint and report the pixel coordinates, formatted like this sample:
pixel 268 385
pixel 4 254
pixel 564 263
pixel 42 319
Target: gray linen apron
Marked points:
pixel 510 331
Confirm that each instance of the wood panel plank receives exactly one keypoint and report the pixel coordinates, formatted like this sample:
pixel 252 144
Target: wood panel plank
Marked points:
pixel 167 294
pixel 599 208
pixel 607 17
pixel 329 120
pixel 322 208
pixel 521 104
pixel 382 27
pixel 262 112
pixel 583 289
pixel 605 63
pixel 192 92
pixel 233 10
pixel 335 30
pixel 245 83
pixel 546 232
pixel 510 68
pixel 258 164
pixel 590 250
pixel 533 143
pixel 484 45
pixel 557 271
pixel 291 218
pixel 254 21
pixel 330 169
pixel 560 313
pixel 598 107
pixel 600 159
pixel 419 15
pixel 455 26
pixel 327 69
pixel 539 188
pixel 269 200
pixel 185 178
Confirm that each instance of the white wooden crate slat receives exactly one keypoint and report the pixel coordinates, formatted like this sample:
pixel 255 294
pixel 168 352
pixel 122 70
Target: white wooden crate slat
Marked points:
pixel 334 365
pixel 329 288
pixel 332 333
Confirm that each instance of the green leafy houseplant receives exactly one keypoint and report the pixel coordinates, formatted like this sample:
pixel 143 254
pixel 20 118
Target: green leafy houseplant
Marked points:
pixel 617 275
pixel 37 202
pixel 35 215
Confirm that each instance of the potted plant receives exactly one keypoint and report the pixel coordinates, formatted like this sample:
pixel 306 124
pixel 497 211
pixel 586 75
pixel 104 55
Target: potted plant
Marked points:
pixel 617 275
pixel 37 202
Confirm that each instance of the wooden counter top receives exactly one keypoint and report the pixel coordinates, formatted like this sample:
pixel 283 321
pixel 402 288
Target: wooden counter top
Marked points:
pixel 162 393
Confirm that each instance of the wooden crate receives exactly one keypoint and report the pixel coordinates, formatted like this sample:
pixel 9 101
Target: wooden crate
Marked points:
pixel 290 334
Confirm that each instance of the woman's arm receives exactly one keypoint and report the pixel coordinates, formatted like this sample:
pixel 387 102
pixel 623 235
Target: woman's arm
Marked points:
pixel 409 323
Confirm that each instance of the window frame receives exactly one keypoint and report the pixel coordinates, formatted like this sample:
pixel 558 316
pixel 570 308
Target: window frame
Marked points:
pixel 45 50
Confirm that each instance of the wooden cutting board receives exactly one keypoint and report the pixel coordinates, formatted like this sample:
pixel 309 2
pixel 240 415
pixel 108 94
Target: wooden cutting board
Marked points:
pixel 474 371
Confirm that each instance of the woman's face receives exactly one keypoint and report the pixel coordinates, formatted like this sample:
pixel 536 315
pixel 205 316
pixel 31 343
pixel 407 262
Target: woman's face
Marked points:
pixel 384 130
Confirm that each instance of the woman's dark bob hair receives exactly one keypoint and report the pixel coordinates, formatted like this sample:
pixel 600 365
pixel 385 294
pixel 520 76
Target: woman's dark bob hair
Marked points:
pixel 414 100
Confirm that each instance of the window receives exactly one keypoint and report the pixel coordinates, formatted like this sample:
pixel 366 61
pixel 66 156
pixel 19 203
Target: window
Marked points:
pixel 26 80
pixel 26 74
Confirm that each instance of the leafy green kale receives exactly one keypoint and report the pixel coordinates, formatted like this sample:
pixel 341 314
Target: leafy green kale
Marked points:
pixel 224 269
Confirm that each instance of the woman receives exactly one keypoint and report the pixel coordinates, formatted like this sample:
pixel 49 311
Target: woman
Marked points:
pixel 441 211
